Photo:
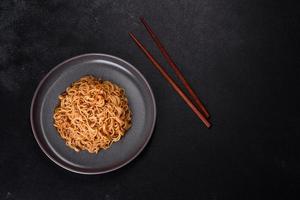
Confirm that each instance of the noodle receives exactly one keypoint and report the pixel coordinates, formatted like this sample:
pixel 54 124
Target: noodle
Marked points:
pixel 92 114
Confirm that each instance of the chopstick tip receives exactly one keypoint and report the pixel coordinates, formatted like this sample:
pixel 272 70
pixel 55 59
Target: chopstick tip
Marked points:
pixel 142 18
pixel 206 122
pixel 130 34
pixel 209 126
pixel 133 38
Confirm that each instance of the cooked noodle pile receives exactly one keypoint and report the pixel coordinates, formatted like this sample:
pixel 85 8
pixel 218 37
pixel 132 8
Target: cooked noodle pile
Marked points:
pixel 92 114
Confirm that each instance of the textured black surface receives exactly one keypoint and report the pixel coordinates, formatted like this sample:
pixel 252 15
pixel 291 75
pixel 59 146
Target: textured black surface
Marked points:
pixel 241 56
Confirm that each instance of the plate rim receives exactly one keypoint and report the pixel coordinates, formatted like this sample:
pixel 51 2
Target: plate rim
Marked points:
pixel 61 164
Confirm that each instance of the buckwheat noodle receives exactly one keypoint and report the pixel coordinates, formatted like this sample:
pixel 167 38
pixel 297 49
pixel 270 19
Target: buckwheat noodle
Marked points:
pixel 92 114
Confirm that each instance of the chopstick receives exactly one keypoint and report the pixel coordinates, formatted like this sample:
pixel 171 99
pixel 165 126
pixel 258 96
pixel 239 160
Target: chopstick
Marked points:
pixel 174 67
pixel 170 80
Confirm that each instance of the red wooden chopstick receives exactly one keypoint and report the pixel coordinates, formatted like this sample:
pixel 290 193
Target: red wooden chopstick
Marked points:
pixel 170 80
pixel 175 67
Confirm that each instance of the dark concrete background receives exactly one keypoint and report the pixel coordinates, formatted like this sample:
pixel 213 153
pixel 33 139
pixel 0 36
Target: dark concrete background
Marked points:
pixel 241 56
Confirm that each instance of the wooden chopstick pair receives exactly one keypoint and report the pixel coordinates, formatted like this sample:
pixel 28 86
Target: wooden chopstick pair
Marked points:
pixel 201 111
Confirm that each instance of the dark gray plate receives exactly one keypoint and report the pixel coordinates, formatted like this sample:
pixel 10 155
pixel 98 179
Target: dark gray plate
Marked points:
pixel 141 102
